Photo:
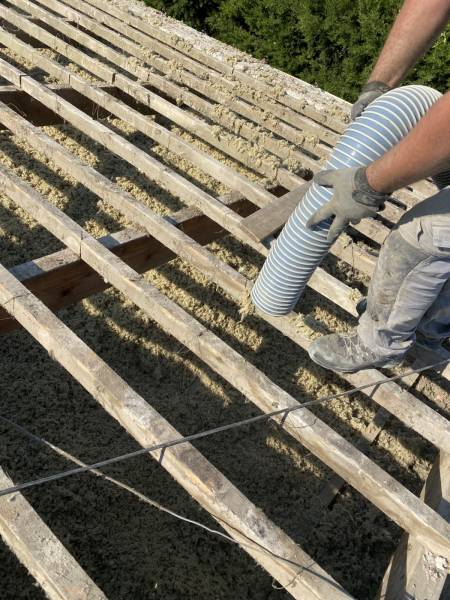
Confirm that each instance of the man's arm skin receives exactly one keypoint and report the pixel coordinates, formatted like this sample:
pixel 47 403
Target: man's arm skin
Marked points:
pixel 417 25
pixel 423 152
pixel 426 150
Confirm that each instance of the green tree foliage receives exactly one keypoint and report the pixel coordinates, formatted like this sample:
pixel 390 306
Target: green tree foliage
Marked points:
pixel 330 43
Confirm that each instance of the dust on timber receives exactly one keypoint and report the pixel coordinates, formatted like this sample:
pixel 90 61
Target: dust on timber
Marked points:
pixel 130 550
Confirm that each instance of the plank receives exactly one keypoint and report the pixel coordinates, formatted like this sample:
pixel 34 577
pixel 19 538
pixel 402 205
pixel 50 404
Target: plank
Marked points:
pixel 228 506
pixel 413 571
pixel 118 16
pixel 377 231
pixel 398 401
pixel 368 437
pixel 160 134
pixel 176 240
pixel 163 175
pixel 362 473
pixel 40 551
pixel 134 210
pixel 22 36
pixel 422 420
pixel 358 257
pixel 273 216
pixel 110 104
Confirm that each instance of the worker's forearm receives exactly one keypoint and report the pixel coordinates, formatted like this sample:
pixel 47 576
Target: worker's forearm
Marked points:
pixel 425 151
pixel 418 24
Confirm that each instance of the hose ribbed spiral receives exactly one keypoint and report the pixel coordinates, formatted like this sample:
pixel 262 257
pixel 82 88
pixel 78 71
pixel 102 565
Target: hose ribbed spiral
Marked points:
pixel 298 251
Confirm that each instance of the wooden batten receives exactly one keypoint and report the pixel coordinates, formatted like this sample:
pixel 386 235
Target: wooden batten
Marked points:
pixel 40 551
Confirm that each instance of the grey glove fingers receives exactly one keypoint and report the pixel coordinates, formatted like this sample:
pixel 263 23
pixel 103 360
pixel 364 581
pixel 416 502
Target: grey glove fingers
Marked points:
pixel 370 92
pixel 326 178
pixel 324 212
pixel 337 226
pixel 361 104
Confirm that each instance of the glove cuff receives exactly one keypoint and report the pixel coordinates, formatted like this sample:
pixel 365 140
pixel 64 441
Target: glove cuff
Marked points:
pixel 376 86
pixel 364 193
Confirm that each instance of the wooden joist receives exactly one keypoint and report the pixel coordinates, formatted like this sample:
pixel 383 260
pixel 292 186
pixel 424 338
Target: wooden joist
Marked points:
pixel 162 135
pixel 272 217
pixel 185 86
pixel 414 572
pixel 150 166
pixel 40 551
pixel 423 419
pixel 159 133
pixel 164 176
pixel 62 278
pixel 369 436
pixel 239 79
pixel 284 177
pixel 38 114
pixel 211 78
pixel 215 211
pixel 373 229
pixel 213 89
pixel 192 123
pixel 154 169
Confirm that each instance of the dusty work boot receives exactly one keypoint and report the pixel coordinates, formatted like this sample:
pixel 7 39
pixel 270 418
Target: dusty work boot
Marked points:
pixel 346 353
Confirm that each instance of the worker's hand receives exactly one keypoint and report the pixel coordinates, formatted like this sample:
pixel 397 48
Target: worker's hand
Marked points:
pixel 353 199
pixel 370 92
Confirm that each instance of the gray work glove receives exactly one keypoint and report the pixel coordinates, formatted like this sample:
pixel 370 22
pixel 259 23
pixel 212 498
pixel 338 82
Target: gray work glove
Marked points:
pixel 353 199
pixel 370 92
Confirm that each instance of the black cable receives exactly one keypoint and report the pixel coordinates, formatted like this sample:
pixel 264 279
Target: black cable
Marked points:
pixel 202 434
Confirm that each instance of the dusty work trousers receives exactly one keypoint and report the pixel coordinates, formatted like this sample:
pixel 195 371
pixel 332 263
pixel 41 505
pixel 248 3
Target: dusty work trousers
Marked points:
pixel 410 288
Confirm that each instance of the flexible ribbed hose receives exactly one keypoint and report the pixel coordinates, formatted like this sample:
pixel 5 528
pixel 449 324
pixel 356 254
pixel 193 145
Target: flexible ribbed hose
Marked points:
pixel 298 250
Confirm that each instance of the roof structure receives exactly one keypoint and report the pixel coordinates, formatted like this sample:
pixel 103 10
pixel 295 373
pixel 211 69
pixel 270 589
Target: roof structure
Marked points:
pixel 153 73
